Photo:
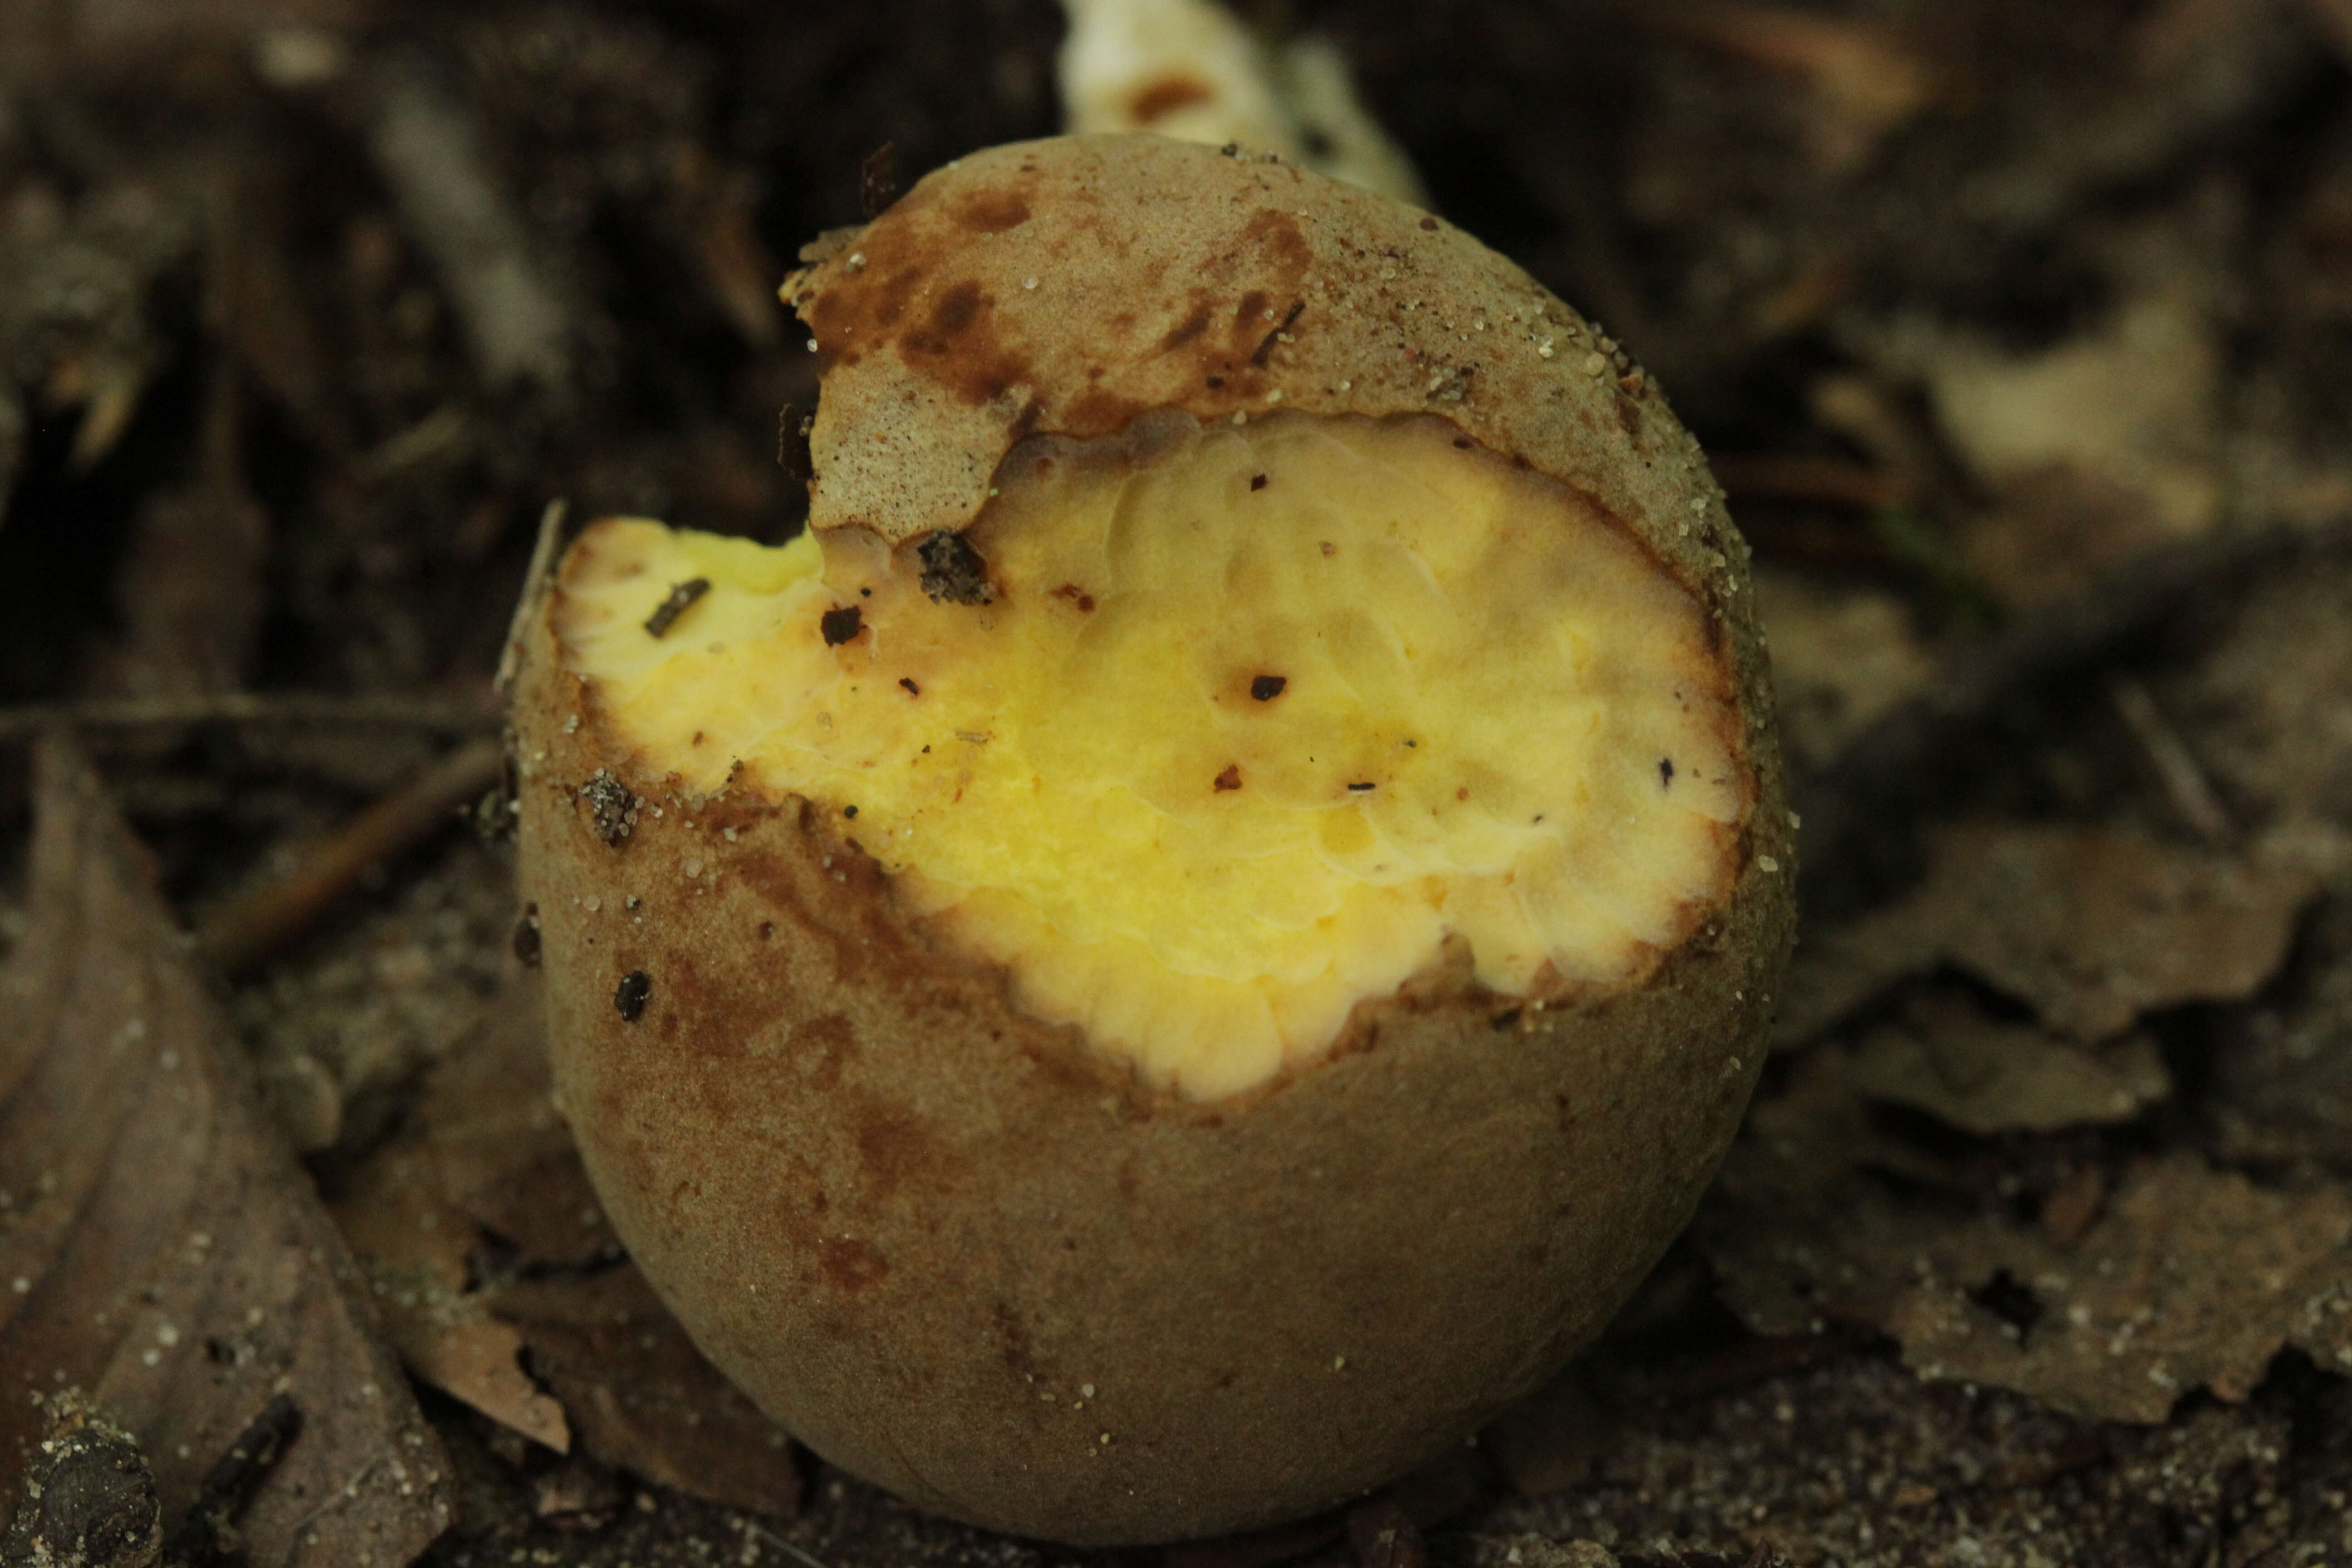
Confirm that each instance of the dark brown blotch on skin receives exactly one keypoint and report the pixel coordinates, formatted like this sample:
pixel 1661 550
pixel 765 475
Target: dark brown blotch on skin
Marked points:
pixel 949 319
pixel 1098 413
pixel 895 1146
pixel 526 937
pixel 851 1264
pixel 1278 234
pixel 1157 101
pixel 1249 318
pixel 1191 326
pixel 992 212
pixel 957 346
pixel 821 1047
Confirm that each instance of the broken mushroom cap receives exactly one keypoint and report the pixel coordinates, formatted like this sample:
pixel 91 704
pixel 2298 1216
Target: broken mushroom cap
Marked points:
pixel 1207 923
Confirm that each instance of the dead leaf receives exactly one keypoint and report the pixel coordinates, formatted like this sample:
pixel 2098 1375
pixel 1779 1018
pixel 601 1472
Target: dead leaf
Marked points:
pixel 2092 926
pixel 1551 1440
pixel 1945 1055
pixel 641 1396
pixel 158 1247
pixel 2334 16
pixel 2193 1278
pixel 2269 711
pixel 414 1248
pixel 2281 1084
pixel 1863 81
pixel 192 591
pixel 1841 655
pixel 500 1153
pixel 486 1150
pixel 2188 1277
pixel 2095 449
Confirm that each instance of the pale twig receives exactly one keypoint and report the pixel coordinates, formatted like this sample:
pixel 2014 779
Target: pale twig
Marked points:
pixel 429 150
pixel 2184 782
pixel 259 925
pixel 805 1559
pixel 537 578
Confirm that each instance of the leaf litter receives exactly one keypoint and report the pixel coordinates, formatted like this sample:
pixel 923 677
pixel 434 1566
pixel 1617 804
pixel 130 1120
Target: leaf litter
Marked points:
pixel 2136 231
pixel 160 1253
pixel 1981 1145
pixel 488 1249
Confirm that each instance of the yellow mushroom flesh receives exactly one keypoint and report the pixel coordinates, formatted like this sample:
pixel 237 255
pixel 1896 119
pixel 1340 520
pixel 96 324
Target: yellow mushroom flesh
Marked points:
pixel 1250 724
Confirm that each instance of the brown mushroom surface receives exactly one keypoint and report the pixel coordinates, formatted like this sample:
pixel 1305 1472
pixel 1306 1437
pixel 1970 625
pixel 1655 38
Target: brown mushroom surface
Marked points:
pixel 1192 1128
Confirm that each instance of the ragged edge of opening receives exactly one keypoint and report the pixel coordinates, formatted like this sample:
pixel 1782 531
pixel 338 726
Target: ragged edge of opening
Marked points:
pixel 1444 981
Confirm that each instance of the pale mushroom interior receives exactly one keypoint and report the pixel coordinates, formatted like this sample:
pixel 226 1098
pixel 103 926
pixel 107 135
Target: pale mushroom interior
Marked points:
pixel 1258 720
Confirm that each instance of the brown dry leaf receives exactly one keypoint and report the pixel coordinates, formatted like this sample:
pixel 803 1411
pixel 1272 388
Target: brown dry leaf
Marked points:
pixel 192 589
pixel 1553 1440
pixel 1863 82
pixel 158 1247
pixel 2090 925
pixel 2269 710
pixel 500 1150
pixel 2191 1277
pixel 637 1392
pixel 641 1396
pixel 1841 655
pixel 2097 449
pixel 2281 1084
pixel 2334 16
pixel 1945 1055
pixel 414 1248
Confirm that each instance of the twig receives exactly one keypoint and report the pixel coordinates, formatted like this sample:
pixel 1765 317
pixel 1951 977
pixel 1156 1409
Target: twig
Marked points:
pixel 339 1496
pixel 805 1559
pixel 1859 811
pixel 206 1537
pixel 536 580
pixel 2184 782
pixel 448 715
pixel 427 148
pixel 256 926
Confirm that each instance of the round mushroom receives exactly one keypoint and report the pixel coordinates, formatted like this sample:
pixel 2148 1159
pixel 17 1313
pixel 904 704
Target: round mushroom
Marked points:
pixel 1204 926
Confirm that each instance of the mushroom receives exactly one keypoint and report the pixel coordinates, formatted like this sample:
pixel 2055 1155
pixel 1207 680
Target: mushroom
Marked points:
pixel 1202 928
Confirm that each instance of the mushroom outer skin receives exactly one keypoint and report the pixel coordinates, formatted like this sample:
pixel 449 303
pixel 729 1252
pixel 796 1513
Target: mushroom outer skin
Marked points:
pixel 951 1247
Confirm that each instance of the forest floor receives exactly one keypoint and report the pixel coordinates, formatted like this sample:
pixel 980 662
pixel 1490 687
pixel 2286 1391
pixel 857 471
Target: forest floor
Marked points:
pixel 2022 338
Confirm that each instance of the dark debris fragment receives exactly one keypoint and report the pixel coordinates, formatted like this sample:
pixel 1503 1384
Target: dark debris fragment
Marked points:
pixel 610 806
pixel 841 626
pixel 207 1537
pixel 953 572
pixel 630 996
pixel 681 599
pixel 878 181
pixel 89 1497
pixel 793 424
